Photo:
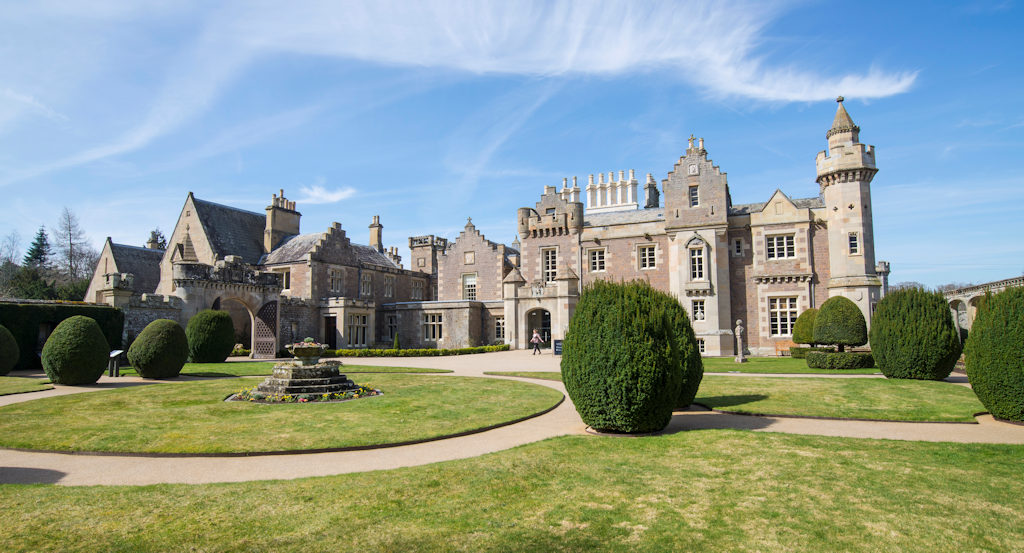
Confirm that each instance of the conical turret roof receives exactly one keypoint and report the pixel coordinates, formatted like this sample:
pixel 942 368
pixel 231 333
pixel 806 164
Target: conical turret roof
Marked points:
pixel 843 122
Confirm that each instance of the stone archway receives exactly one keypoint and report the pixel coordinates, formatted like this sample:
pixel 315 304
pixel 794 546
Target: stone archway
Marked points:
pixel 539 319
pixel 264 332
pixel 241 316
pixel 958 310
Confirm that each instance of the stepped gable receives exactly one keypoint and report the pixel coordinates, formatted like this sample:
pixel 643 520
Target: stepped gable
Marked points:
pixel 302 247
pixel 232 231
pixel 144 263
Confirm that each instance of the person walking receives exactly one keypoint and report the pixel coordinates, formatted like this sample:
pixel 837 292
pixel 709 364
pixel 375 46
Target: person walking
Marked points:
pixel 536 340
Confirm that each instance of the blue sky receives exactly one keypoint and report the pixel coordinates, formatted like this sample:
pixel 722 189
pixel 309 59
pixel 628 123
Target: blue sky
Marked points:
pixel 428 113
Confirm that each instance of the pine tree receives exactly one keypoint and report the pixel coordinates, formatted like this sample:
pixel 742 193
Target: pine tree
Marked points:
pixel 157 239
pixel 38 254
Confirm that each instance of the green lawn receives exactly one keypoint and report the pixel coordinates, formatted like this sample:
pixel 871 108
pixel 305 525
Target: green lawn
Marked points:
pixel 190 417
pixel 772 365
pixel 17 385
pixel 715 490
pixel 855 398
pixel 264 368
pixel 542 375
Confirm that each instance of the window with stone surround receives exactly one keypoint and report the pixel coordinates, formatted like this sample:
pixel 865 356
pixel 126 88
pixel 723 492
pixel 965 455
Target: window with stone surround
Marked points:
pixel 697 309
pixel 549 264
pixel 391 322
pixel 389 286
pixel 286 278
pixel 431 327
pixel 780 246
pixel 700 345
pixel 469 286
pixel 366 285
pixel 854 243
pixel 336 281
pixel 697 263
pixel 499 328
pixel 357 330
pixel 781 315
pixel 645 254
pixel 737 247
pixel 417 289
pixel 694 197
pixel 597 260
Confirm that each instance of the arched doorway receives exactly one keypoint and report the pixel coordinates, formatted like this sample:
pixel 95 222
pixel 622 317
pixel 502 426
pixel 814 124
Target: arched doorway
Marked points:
pixel 241 317
pixel 540 320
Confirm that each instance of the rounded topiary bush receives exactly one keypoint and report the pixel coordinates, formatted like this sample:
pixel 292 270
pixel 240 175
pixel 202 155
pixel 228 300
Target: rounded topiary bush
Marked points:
pixel 624 356
pixel 160 350
pixel 9 351
pixel 211 336
pixel 995 366
pixel 839 322
pixel 803 328
pixel 913 336
pixel 76 352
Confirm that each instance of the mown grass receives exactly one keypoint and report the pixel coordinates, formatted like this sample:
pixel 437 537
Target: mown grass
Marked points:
pixel 17 385
pixel 852 398
pixel 264 368
pixel 190 417
pixel 772 365
pixel 716 490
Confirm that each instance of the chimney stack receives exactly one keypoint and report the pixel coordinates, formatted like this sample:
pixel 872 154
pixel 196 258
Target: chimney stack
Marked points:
pixel 376 236
pixel 282 221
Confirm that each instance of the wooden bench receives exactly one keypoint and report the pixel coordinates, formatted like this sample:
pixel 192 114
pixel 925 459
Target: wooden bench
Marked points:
pixel 782 347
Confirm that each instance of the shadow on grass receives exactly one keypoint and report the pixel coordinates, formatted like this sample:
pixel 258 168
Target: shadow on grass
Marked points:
pixel 22 475
pixel 716 402
pixel 215 375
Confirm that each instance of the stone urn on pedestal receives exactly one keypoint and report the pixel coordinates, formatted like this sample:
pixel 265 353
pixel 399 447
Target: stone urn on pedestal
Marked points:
pixel 306 374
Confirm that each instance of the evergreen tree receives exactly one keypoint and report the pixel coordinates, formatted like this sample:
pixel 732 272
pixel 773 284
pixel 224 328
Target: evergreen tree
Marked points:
pixel 38 254
pixel 28 283
pixel 157 238
pixel 839 322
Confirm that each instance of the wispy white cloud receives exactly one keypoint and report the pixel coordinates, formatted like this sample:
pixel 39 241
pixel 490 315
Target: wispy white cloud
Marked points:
pixel 33 104
pixel 711 44
pixel 317 193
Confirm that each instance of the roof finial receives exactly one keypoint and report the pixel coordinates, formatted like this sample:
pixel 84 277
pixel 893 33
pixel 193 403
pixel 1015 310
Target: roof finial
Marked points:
pixel 840 99
pixel 469 221
pixel 691 140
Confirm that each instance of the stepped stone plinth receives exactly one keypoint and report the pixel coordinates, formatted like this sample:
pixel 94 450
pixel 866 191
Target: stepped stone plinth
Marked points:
pixel 306 375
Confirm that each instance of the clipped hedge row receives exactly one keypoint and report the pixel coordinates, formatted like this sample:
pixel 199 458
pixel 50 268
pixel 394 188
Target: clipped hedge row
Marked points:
pixel 801 353
pixel 409 352
pixel 25 319
pixel 9 351
pixel 839 360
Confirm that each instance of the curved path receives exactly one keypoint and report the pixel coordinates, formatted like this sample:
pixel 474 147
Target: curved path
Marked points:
pixel 72 469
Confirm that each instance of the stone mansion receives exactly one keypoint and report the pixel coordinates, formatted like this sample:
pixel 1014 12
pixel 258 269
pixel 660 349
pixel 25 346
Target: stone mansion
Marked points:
pixel 762 263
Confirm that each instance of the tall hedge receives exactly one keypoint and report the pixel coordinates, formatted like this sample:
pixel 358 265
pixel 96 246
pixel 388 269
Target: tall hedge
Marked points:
pixel 624 355
pixel 160 350
pixel 803 328
pixel 25 319
pixel 839 322
pixel 995 365
pixel 211 336
pixel 8 351
pixel 913 335
pixel 76 352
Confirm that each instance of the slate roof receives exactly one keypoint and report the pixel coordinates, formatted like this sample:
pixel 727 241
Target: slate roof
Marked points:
pixel 296 248
pixel 801 203
pixel 232 231
pixel 624 217
pixel 144 263
pixel 292 249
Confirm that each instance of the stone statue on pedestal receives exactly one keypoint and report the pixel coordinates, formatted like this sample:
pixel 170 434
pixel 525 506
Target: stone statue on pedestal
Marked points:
pixel 739 342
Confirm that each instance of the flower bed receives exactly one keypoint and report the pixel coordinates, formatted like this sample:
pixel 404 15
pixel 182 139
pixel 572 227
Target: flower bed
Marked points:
pixel 250 394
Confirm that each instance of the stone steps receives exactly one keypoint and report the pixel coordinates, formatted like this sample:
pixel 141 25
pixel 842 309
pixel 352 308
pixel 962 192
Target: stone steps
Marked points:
pixel 292 379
